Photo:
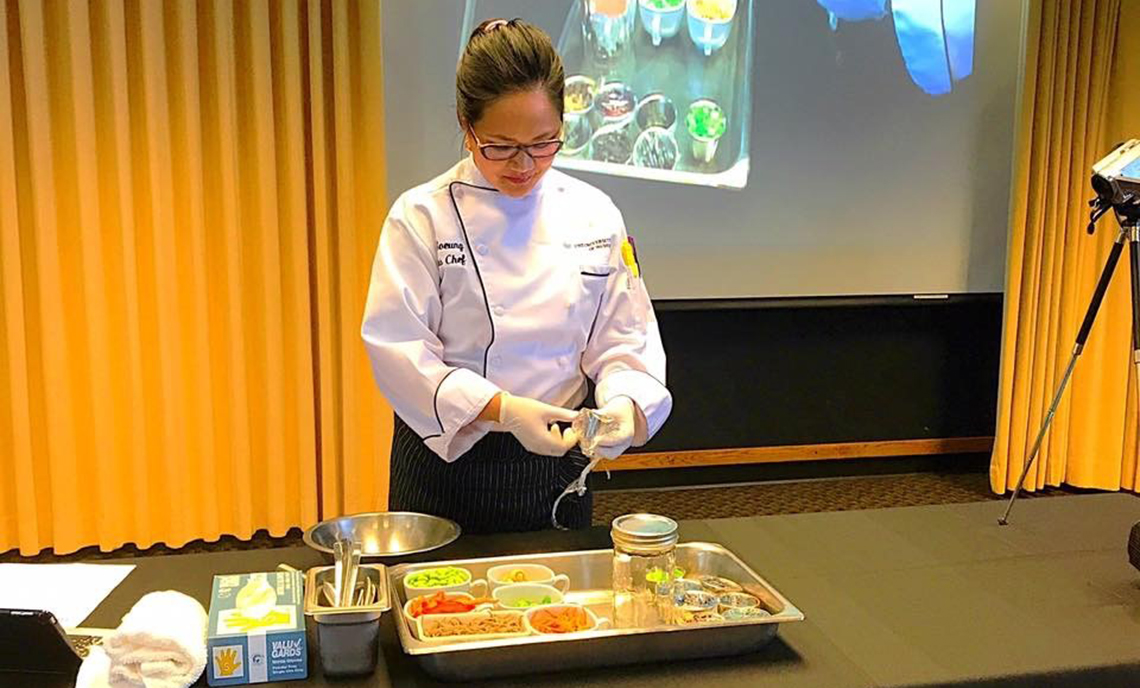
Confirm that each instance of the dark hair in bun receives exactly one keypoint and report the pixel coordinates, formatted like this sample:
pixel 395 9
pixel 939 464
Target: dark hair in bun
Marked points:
pixel 504 57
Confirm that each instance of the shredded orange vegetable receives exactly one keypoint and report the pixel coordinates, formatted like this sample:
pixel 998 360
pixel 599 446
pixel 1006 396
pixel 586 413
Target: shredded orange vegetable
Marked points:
pixel 560 620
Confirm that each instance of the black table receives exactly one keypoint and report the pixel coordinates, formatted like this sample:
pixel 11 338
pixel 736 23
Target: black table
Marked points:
pixel 921 596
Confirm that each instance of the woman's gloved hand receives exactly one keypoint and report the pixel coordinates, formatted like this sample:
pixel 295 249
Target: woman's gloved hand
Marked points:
pixel 532 423
pixel 620 436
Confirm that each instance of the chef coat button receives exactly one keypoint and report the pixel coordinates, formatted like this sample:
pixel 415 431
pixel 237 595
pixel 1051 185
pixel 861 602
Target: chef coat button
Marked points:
pixel 499 310
pixel 496 360
pixel 482 249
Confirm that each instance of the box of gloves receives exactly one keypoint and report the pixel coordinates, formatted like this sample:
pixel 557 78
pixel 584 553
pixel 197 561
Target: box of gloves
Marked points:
pixel 257 629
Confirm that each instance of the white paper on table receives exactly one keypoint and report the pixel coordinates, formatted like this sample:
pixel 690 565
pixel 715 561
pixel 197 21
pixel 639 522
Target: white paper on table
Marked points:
pixel 70 591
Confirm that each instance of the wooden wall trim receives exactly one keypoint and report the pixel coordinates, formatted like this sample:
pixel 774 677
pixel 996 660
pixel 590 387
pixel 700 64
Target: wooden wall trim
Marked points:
pixel 800 452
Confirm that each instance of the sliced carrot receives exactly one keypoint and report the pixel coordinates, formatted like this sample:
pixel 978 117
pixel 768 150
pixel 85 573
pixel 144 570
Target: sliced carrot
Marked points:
pixel 564 620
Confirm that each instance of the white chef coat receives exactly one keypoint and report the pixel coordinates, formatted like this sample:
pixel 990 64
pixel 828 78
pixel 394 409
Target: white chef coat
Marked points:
pixel 474 292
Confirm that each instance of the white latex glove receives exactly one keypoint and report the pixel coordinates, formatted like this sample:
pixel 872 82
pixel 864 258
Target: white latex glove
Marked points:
pixel 531 422
pixel 614 443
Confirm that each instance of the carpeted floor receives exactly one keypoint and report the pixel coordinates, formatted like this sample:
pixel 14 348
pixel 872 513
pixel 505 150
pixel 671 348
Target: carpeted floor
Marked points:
pixel 721 501
pixel 793 497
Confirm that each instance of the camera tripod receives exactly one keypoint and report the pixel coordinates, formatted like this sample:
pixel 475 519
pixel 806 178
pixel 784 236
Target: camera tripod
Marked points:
pixel 1128 217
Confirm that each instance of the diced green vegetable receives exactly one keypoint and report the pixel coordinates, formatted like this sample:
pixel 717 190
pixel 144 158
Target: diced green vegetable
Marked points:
pixel 657 575
pixel 438 578
pixel 664 4
pixel 524 602
pixel 706 120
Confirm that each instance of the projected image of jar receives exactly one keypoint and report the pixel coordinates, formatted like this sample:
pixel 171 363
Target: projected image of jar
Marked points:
pixel 661 18
pixel 706 124
pixel 655 147
pixel 608 28
pixel 578 113
pixel 615 103
pixel 612 143
pixel 710 22
pixel 656 110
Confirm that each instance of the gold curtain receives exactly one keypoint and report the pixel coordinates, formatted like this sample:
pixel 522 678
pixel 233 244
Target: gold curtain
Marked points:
pixel 1080 96
pixel 349 187
pixel 187 190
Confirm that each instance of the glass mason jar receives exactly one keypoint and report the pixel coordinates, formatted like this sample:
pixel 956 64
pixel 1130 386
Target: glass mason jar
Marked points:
pixel 643 570
pixel 608 28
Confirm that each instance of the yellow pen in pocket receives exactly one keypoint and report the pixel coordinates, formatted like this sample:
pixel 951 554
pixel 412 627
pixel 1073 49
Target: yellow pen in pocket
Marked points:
pixel 629 258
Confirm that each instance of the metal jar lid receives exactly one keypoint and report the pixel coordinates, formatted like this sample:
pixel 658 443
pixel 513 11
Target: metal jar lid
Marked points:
pixel 644 533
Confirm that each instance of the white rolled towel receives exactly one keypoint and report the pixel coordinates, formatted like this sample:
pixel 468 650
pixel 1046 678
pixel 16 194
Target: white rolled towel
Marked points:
pixel 161 643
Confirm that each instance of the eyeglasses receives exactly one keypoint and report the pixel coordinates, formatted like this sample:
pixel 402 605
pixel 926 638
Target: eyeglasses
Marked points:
pixel 505 151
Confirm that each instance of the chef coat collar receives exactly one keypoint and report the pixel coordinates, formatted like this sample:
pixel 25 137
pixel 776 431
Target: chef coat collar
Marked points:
pixel 469 172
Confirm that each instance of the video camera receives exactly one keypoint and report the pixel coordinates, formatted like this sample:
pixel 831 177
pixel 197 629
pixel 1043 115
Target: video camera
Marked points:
pixel 1117 175
pixel 1116 181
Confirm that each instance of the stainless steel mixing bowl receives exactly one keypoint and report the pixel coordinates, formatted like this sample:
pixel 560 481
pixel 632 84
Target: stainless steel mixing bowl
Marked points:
pixel 384 535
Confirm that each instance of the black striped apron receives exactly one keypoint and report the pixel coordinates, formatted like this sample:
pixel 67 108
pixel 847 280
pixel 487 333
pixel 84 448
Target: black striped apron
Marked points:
pixel 497 486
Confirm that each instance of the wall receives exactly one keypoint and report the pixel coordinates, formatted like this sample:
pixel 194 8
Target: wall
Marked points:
pixel 809 371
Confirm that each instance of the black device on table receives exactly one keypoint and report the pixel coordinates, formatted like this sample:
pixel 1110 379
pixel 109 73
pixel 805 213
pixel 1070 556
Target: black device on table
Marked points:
pixel 1134 546
pixel 36 650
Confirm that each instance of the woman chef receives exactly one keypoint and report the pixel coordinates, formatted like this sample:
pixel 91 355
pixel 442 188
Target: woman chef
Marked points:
pixel 497 289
